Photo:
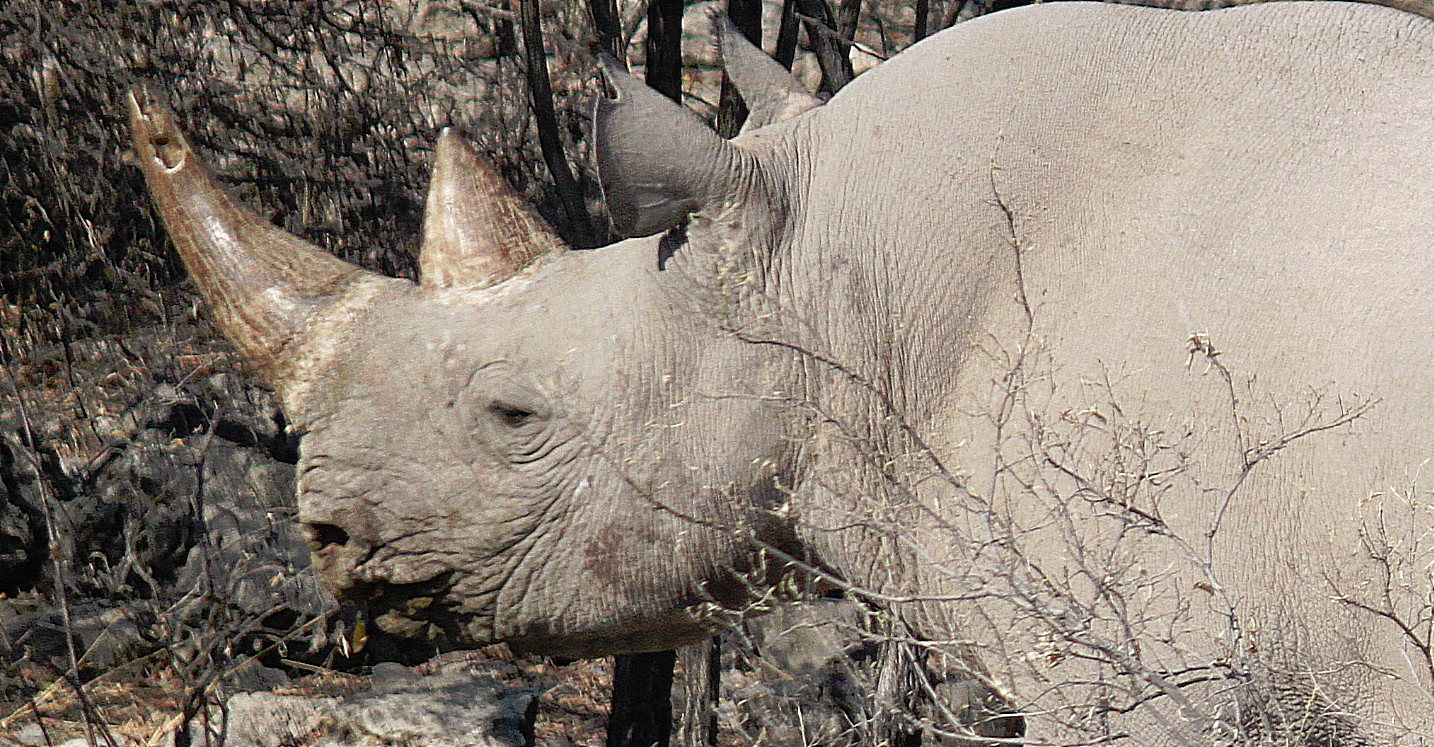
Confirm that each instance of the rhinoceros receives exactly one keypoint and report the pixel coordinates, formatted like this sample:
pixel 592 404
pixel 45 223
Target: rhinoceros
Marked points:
pixel 1089 343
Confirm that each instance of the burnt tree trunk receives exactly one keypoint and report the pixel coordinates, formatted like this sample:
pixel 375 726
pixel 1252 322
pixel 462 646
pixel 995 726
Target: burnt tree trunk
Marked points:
pixel 848 15
pixel 664 48
pixel 641 714
pixel 786 50
pixel 540 94
pixel 608 24
pixel 826 41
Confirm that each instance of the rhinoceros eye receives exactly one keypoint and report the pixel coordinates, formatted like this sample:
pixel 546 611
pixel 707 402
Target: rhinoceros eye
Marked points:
pixel 512 416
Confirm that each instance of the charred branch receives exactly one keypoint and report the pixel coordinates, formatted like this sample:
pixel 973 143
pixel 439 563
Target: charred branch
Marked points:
pixel 540 92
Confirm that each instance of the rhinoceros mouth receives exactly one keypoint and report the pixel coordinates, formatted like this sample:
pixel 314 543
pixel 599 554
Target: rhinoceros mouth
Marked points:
pixel 413 610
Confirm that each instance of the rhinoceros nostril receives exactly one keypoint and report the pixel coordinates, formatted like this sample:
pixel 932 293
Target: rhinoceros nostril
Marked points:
pixel 322 536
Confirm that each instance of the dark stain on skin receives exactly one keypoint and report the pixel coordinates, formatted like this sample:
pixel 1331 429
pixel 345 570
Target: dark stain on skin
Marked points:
pixel 608 552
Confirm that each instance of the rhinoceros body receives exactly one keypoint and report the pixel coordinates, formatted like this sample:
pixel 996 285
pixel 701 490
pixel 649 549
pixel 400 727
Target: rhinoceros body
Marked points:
pixel 1090 341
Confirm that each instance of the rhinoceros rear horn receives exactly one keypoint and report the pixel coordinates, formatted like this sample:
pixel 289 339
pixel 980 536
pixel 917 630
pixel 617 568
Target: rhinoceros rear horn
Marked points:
pixel 659 162
pixel 771 93
pixel 265 287
pixel 477 231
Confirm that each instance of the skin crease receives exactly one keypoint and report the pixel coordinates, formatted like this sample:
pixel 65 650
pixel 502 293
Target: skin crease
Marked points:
pixel 1042 258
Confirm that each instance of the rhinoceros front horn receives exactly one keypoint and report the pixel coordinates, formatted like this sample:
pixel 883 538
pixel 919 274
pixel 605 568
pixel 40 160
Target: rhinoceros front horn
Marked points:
pixel 266 288
pixel 477 231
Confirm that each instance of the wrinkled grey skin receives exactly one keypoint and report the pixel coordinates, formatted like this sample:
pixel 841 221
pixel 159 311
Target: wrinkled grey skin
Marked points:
pixel 491 497
pixel 918 339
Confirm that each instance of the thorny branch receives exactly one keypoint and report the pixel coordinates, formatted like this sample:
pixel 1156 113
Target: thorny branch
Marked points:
pixel 1396 552
pixel 1252 455
pixel 1099 607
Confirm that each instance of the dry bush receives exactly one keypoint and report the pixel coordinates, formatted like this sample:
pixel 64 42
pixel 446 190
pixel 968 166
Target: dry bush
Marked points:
pixel 146 529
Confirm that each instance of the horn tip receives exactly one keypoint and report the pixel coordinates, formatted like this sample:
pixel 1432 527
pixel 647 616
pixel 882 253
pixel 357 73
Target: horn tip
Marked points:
pixel 147 113
pixel 152 124
pixel 451 136
pixel 444 145
pixel 452 149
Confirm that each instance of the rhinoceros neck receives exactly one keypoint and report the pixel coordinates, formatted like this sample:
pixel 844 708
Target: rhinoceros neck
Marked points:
pixel 1093 214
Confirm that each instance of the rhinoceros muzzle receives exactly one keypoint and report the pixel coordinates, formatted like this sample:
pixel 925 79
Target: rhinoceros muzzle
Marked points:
pixel 418 610
pixel 336 556
pixel 403 594
pixel 352 572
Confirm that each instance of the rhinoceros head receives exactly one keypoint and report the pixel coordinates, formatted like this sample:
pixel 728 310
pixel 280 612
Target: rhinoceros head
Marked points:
pixel 532 444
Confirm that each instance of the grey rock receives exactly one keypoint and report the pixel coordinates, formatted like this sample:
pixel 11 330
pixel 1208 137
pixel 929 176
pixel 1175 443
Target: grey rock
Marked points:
pixel 184 520
pixel 22 528
pixel 252 676
pixel 269 720
pixel 27 735
pixel 108 635
pixel 453 708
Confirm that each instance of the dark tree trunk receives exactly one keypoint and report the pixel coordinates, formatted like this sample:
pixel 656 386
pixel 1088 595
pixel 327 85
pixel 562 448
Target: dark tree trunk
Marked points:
pixel 609 28
pixel 540 92
pixel 664 48
pixel 732 111
pixel 827 43
pixel 848 16
pixel 786 51
pixel 923 10
pixel 641 714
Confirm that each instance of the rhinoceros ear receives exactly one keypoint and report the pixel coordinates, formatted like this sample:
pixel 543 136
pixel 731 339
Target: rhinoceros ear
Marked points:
pixel 659 162
pixel 265 287
pixel 477 231
pixel 771 93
